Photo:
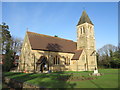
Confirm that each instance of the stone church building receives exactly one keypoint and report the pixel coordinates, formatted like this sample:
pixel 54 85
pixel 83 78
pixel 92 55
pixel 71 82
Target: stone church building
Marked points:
pixel 41 53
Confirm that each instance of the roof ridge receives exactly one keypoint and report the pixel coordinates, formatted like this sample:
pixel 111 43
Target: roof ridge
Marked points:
pixel 78 50
pixel 49 36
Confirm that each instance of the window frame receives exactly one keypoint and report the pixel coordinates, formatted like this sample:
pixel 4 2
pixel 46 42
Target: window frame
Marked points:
pixel 56 60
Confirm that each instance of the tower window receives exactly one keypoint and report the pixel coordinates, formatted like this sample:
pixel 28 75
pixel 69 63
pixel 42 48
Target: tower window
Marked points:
pixel 81 30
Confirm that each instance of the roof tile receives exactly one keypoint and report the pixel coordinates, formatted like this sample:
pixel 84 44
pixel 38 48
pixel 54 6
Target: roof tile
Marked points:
pixel 50 43
pixel 77 54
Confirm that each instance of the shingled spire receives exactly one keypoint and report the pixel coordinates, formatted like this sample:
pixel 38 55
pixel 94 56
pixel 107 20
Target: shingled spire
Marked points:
pixel 84 18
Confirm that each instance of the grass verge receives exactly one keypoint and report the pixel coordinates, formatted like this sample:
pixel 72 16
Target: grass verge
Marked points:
pixel 109 79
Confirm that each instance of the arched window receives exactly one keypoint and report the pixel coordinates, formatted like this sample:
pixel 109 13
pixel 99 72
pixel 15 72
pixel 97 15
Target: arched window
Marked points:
pixel 56 60
pixel 67 61
pixel 83 29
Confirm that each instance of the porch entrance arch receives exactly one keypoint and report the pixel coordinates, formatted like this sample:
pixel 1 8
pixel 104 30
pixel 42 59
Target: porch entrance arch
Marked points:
pixel 42 64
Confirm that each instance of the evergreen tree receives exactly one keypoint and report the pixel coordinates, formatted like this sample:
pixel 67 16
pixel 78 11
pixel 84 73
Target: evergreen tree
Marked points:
pixel 115 63
pixel 6 37
pixel 6 48
pixel 9 59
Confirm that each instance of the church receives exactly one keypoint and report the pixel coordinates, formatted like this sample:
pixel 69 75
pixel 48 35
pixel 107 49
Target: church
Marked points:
pixel 42 53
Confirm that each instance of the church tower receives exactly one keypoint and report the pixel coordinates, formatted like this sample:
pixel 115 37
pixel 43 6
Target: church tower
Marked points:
pixel 86 40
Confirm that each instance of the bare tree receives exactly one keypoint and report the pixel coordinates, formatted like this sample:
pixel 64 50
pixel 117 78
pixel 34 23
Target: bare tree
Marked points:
pixel 105 54
pixel 106 49
pixel 16 44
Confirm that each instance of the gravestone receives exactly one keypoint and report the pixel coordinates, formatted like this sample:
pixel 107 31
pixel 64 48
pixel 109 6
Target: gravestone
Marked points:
pixel 96 72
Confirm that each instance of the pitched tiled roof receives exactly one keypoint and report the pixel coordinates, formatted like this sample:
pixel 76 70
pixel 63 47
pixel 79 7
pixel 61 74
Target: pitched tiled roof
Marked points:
pixel 84 18
pixel 50 43
pixel 77 54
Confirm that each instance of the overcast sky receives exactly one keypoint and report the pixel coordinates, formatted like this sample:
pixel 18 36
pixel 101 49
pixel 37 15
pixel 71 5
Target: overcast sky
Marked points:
pixel 61 19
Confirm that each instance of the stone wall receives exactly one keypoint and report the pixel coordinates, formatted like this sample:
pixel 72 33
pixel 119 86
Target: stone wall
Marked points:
pixel 29 57
pixel 26 56
pixel 86 40
pixel 15 84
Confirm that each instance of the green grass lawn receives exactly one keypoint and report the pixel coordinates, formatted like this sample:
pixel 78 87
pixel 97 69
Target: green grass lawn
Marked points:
pixel 109 79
